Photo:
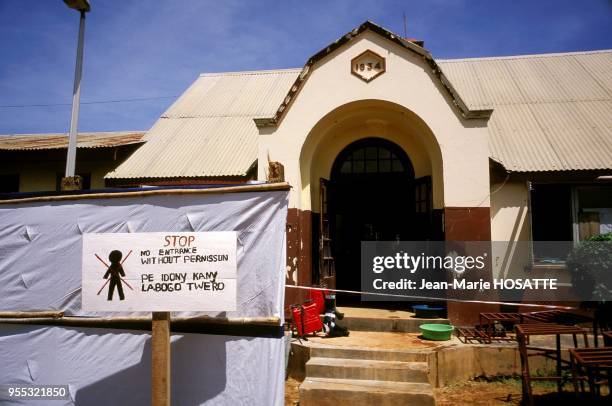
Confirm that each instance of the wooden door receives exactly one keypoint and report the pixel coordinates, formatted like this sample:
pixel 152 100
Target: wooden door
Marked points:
pixel 327 269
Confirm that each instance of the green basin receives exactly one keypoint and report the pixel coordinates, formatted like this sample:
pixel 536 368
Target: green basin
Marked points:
pixel 437 332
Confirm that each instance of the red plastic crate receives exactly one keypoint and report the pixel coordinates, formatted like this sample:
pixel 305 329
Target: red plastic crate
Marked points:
pixel 306 319
pixel 317 297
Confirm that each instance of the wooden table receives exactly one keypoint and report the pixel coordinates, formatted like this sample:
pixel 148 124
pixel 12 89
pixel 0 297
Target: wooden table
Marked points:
pixel 487 320
pixel 555 316
pixel 523 334
pixel 593 361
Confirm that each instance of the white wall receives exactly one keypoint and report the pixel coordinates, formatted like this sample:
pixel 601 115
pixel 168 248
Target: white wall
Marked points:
pixel 408 82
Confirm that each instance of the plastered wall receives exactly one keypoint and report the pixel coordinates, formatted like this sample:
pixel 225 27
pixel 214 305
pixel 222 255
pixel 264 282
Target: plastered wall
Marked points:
pixel 457 149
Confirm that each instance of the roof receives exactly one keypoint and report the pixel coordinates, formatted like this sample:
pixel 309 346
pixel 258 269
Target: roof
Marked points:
pixel 28 142
pixel 411 45
pixel 551 112
pixel 209 131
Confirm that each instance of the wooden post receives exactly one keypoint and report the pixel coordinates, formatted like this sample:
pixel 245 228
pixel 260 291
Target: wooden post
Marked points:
pixel 160 359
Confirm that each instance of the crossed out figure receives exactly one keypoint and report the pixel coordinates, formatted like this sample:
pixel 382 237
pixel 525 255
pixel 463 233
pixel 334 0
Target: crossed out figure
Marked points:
pixel 114 274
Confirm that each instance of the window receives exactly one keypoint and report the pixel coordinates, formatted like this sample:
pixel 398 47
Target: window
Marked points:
pixel 86 181
pixel 9 183
pixel 563 212
pixel 594 211
pixel 371 159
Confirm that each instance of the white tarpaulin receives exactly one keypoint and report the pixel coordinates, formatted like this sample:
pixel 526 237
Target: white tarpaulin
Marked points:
pixel 40 269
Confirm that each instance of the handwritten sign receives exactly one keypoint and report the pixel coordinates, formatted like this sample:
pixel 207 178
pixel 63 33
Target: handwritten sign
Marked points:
pixel 159 271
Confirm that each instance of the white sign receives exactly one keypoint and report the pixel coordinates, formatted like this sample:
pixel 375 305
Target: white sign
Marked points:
pixel 159 271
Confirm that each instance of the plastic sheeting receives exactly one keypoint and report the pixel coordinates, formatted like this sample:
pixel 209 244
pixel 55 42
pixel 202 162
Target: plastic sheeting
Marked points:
pixel 40 269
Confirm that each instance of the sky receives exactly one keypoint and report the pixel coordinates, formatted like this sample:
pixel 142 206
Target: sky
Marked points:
pixel 155 49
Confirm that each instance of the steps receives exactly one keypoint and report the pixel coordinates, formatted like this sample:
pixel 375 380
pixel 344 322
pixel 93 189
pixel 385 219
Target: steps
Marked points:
pixel 337 392
pixel 356 376
pixel 365 369
pixel 396 325
pixel 366 319
pixel 369 354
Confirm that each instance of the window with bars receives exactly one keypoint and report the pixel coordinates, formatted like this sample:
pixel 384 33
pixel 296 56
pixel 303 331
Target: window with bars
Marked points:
pixel 371 159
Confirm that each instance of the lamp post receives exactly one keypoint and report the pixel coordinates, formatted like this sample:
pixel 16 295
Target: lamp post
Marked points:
pixel 70 180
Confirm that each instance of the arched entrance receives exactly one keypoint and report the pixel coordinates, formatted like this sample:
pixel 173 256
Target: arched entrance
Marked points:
pixel 372 195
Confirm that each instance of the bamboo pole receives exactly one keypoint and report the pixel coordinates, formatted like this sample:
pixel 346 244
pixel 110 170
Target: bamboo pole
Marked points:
pixel 58 319
pixel 26 315
pixel 155 192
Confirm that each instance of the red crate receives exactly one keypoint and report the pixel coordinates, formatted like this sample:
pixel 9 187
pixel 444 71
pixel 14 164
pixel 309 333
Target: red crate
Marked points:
pixel 316 296
pixel 306 319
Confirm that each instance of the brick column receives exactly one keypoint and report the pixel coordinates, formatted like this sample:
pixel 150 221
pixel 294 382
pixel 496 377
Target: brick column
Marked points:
pixel 467 224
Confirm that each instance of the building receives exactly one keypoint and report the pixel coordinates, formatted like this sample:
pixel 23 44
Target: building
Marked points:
pixel 37 162
pixel 379 140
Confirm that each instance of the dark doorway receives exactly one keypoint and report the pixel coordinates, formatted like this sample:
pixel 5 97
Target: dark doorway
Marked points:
pixel 372 196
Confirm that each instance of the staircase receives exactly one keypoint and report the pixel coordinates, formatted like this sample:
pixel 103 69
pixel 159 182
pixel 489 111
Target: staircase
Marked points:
pixel 364 319
pixel 353 376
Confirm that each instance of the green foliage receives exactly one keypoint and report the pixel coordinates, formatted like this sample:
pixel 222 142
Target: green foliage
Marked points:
pixel 590 263
pixel 601 237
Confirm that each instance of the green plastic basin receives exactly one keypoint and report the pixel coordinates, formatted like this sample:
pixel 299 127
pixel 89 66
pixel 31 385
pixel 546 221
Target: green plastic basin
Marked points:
pixel 436 332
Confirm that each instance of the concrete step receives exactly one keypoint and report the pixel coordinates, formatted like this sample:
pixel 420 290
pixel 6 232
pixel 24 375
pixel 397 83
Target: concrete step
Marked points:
pixel 348 392
pixel 362 369
pixel 369 354
pixel 405 325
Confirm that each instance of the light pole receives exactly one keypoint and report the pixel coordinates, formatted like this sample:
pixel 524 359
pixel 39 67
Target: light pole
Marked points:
pixel 70 181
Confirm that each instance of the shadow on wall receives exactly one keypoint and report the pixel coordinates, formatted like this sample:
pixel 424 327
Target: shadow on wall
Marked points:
pixel 198 375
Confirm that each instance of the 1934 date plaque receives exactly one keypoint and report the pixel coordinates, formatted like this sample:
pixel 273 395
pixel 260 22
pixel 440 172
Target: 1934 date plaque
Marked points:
pixel 368 65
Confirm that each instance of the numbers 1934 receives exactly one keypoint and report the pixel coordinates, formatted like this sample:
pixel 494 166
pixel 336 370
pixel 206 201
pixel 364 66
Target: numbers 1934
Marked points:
pixel 367 66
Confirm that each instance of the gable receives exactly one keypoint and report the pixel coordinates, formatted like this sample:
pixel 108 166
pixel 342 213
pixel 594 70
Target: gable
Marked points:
pixel 550 112
pixel 354 35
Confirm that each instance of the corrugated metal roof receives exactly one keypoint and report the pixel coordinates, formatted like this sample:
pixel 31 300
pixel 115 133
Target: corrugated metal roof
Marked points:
pixel 209 131
pixel 551 112
pixel 60 141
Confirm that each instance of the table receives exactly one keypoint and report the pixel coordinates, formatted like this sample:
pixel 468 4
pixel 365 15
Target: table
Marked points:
pixel 487 320
pixel 523 334
pixel 555 316
pixel 592 360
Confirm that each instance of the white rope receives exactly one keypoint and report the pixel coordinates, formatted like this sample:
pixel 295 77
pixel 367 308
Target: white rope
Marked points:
pixel 355 292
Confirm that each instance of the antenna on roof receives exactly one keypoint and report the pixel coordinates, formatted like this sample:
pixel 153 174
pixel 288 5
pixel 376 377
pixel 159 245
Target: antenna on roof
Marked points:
pixel 405 30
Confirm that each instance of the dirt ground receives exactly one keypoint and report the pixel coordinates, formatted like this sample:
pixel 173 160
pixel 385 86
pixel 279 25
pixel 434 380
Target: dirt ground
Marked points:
pixel 292 394
pixel 503 392
pixel 507 392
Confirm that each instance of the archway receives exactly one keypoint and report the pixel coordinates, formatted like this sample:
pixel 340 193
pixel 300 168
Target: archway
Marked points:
pixel 372 195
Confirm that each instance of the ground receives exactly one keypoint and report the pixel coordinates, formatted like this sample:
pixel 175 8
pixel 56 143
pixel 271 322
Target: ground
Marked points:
pixel 506 392
pixel 502 392
pixel 292 393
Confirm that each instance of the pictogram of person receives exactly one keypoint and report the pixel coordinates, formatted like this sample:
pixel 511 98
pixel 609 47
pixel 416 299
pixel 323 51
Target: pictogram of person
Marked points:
pixel 115 272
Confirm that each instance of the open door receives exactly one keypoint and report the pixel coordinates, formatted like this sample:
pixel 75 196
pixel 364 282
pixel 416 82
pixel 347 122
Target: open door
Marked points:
pixel 327 269
pixel 423 203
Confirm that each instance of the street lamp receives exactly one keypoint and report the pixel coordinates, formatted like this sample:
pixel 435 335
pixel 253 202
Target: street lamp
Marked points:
pixel 70 181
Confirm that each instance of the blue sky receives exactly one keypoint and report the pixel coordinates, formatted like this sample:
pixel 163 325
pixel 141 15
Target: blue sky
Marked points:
pixel 153 48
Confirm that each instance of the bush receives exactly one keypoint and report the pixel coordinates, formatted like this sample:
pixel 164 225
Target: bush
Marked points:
pixel 590 264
